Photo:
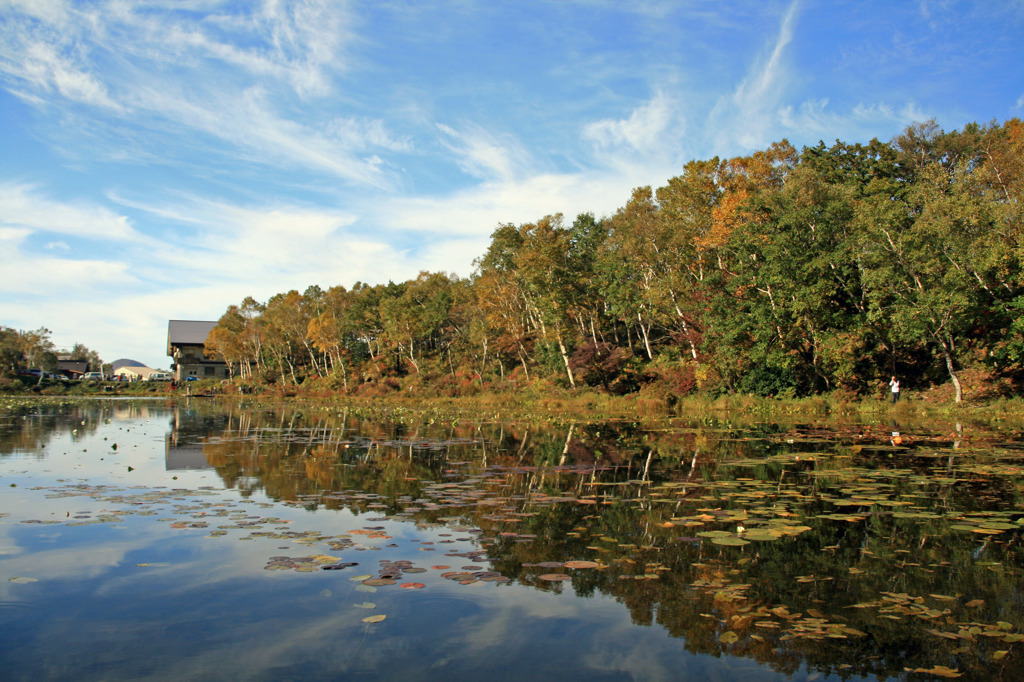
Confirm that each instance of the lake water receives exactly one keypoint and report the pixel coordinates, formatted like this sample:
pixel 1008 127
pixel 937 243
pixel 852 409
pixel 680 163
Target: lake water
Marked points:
pixel 192 541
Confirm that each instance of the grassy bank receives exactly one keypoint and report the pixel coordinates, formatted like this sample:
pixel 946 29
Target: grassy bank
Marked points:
pixel 552 401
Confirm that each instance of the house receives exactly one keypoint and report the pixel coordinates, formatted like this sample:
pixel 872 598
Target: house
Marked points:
pixel 186 344
pixel 125 362
pixel 141 373
pixel 72 369
pixel 133 372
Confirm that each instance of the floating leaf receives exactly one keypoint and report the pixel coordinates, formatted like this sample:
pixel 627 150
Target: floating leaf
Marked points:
pixel 365 605
pixel 554 577
pixel 730 541
pixel 715 534
pixel 728 637
pixel 412 586
pixel 375 618
pixel 761 535
pixel 19 579
pixel 940 633
pixel 581 564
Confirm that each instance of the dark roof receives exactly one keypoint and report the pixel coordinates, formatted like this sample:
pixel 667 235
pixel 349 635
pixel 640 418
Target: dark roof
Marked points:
pixel 125 362
pixel 73 366
pixel 188 332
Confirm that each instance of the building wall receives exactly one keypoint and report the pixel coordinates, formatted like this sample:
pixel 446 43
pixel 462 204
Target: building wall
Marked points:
pixel 190 361
pixel 201 370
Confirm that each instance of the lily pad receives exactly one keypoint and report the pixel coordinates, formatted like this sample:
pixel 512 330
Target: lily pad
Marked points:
pixel 581 564
pixel 730 541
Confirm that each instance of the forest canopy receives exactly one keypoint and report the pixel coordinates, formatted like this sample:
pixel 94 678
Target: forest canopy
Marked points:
pixel 783 273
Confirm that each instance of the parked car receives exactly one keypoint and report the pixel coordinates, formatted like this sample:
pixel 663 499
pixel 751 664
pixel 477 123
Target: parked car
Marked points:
pixel 92 376
pixel 159 376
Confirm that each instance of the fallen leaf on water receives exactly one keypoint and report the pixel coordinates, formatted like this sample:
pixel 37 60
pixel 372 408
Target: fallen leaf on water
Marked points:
pixel 365 605
pixel 374 619
pixel 939 671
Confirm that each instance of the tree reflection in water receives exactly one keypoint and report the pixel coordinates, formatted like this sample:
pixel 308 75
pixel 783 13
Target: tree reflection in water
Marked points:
pixel 828 547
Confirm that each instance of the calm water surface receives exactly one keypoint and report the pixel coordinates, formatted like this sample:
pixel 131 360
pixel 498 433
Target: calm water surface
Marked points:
pixel 149 540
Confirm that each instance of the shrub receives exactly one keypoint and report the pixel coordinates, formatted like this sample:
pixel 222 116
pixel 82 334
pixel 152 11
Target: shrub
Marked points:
pixel 612 368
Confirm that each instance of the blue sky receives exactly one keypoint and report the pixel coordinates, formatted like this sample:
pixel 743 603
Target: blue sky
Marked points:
pixel 163 159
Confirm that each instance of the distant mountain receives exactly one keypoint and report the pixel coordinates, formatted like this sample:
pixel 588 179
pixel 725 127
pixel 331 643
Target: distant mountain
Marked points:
pixel 125 362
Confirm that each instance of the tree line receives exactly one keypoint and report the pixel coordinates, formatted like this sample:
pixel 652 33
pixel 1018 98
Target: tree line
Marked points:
pixel 785 272
pixel 25 350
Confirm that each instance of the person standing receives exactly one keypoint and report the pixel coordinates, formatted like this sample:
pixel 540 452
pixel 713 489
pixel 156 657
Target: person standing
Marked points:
pixel 894 386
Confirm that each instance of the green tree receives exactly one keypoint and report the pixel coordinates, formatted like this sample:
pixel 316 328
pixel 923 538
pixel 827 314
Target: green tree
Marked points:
pixel 929 273
pixel 10 351
pixel 82 353
pixel 417 317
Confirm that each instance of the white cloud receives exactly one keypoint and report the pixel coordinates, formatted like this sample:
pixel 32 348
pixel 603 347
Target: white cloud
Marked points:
pixel 222 246
pixel 14 236
pixel 24 206
pixel 747 116
pixel 814 118
pixel 28 276
pixel 645 132
pixel 46 68
pixel 222 76
pixel 484 155
pixel 479 209
pixel 354 133
pixel 52 11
